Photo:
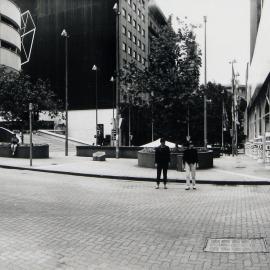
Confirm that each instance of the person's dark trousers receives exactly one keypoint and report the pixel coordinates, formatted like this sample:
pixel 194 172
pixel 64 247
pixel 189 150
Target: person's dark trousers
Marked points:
pixel 164 168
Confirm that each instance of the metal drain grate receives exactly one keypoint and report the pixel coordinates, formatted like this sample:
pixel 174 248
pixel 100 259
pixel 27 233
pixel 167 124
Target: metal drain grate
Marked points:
pixel 236 245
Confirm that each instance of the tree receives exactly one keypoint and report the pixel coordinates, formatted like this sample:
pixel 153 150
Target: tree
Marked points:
pixel 165 86
pixel 17 91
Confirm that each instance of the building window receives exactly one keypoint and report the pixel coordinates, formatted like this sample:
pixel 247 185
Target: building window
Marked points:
pixel 124 62
pixel 143 3
pixel 134 7
pixel 124 30
pixel 124 46
pixel 134 54
pixel 129 35
pixel 139 58
pixel 143 47
pixel 129 18
pixel 134 23
pixel 139 13
pixel 139 28
pixel 143 61
pixel 139 43
pixel 124 13
pixel 134 39
pixel 129 51
pixel 143 18
pixel 129 2
pixel 143 32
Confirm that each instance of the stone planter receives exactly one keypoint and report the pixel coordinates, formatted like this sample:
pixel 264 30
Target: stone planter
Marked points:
pixel 147 160
pixel 23 151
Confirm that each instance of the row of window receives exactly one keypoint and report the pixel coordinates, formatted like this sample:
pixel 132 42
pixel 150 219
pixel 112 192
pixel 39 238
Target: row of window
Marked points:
pixel 134 6
pixel 139 13
pixel 133 53
pixel 136 26
pixel 133 38
pixel 9 46
pixel 9 22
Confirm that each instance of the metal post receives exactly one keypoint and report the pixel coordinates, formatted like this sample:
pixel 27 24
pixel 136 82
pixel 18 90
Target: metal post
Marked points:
pixel 129 124
pixel 205 83
pixel 66 36
pixel 30 130
pixel 188 123
pixel 222 124
pixel 95 69
pixel 117 85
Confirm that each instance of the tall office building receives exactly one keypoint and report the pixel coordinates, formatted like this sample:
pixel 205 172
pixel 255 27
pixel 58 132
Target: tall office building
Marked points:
pixel 258 91
pixel 10 40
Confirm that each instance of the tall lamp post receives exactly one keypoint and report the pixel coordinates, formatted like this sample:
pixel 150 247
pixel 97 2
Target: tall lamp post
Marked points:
pixel 205 83
pixel 112 80
pixel 94 68
pixel 117 86
pixel 234 126
pixel 65 35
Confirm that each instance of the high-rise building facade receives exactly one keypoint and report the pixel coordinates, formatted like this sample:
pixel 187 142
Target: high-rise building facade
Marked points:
pixel 10 40
pixel 258 90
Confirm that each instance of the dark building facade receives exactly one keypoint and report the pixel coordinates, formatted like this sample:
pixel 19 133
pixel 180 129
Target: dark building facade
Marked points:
pixel 91 27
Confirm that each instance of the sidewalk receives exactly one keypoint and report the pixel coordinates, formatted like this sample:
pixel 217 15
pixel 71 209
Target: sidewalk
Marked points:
pixel 227 170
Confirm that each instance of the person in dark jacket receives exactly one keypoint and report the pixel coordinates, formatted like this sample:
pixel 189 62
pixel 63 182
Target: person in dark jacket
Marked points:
pixel 162 159
pixel 190 161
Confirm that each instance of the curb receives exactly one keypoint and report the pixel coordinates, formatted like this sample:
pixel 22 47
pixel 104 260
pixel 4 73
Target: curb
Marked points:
pixel 145 179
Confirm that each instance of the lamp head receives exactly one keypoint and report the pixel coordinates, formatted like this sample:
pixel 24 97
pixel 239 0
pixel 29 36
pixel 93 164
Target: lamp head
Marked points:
pixel 115 7
pixel 94 68
pixel 64 33
pixel 112 79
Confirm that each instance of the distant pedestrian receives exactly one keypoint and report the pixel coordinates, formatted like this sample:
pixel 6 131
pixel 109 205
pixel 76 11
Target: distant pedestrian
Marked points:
pixel 190 160
pixel 162 159
pixel 14 142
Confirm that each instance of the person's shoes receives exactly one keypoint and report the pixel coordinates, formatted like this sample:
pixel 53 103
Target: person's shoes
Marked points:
pixel 165 187
pixel 194 187
pixel 157 187
pixel 187 188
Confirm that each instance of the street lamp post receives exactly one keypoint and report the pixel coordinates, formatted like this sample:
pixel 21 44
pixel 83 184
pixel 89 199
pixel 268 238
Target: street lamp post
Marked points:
pixel 30 130
pixel 112 80
pixel 65 35
pixel 205 83
pixel 117 86
pixel 234 126
pixel 94 68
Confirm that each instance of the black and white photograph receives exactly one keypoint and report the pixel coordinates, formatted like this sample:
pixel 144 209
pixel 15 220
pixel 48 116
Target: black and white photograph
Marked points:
pixel 134 134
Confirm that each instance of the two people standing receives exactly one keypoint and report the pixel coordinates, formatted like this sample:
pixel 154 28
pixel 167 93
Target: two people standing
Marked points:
pixel 190 161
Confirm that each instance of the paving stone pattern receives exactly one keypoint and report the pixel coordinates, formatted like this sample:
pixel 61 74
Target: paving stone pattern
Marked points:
pixel 65 222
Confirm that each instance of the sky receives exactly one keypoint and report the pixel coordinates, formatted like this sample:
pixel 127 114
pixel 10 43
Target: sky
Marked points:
pixel 227 33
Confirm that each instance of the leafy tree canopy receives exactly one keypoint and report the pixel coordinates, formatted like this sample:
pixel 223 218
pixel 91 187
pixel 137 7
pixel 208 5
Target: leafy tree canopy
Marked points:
pixel 17 91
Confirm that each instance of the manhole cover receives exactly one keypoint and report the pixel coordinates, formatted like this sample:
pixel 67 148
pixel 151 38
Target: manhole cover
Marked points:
pixel 238 245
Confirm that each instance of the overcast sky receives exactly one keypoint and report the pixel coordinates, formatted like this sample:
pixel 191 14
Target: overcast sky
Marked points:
pixel 227 33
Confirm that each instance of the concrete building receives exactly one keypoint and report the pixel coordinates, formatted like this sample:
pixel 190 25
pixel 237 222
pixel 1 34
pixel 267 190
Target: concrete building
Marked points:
pixel 258 90
pixel 91 25
pixel 10 40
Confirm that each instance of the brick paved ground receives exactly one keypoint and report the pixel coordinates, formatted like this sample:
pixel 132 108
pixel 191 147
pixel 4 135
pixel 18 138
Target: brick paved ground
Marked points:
pixel 65 222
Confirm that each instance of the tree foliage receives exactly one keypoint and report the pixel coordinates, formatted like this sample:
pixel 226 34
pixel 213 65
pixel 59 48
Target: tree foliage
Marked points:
pixel 166 85
pixel 17 91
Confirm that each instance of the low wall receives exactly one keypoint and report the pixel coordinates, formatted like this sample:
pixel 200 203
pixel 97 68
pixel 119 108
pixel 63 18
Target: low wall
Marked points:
pixel 124 151
pixel 147 159
pixel 23 151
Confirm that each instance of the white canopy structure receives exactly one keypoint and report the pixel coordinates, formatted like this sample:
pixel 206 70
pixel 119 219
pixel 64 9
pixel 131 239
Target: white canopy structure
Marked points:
pixel 156 143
